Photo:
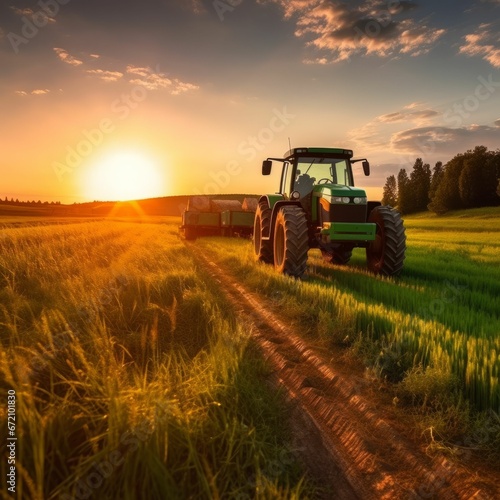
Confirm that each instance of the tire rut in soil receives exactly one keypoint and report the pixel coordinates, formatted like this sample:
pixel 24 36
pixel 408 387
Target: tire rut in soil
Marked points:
pixel 346 443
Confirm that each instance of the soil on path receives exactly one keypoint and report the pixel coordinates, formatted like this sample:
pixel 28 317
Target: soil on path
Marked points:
pixel 347 432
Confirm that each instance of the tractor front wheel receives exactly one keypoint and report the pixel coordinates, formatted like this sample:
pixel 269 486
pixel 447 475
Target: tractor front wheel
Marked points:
pixel 291 241
pixel 386 254
pixel 263 249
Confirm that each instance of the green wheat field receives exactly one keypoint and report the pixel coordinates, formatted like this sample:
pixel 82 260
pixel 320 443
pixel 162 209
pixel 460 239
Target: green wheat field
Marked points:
pixel 134 378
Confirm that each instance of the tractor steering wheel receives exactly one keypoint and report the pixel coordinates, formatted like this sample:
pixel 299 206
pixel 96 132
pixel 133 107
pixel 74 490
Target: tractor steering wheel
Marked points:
pixel 325 181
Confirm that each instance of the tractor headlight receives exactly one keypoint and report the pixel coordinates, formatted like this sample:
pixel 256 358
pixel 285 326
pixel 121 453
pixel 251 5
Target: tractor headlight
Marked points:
pixel 360 200
pixel 341 199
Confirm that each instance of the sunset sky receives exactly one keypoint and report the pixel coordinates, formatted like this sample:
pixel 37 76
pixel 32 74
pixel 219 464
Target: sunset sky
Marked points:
pixel 117 99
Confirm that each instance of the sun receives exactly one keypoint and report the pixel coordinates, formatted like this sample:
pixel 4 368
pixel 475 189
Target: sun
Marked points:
pixel 124 175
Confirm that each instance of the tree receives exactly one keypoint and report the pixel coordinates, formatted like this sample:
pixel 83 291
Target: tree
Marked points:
pixel 419 186
pixel 437 176
pixel 469 180
pixel 404 195
pixel 447 196
pixel 390 196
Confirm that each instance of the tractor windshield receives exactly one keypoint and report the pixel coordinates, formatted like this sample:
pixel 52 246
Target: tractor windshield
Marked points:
pixel 313 171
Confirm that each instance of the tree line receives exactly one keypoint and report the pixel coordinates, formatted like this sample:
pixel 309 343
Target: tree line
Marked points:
pixel 470 179
pixel 6 201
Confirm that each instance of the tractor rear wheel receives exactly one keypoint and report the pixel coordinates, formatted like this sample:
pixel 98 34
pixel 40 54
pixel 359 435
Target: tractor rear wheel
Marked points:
pixel 291 241
pixel 386 254
pixel 340 256
pixel 263 249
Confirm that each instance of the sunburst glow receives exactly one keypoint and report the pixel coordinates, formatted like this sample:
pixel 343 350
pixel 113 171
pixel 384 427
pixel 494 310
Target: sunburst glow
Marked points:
pixel 125 175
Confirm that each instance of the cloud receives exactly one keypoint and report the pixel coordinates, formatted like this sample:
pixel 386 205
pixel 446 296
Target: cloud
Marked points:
pixel 27 12
pixel 443 140
pixel 339 30
pixel 107 76
pixel 65 57
pixel 485 43
pixel 399 116
pixel 22 12
pixel 196 6
pixel 95 56
pixel 152 80
pixel 376 133
pixel 37 92
pixel 390 133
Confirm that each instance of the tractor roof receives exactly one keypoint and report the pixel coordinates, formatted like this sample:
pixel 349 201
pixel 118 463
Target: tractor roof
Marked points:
pixel 318 151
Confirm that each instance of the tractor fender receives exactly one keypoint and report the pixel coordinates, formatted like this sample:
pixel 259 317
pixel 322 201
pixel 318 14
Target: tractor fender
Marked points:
pixel 276 208
pixel 370 206
pixel 271 199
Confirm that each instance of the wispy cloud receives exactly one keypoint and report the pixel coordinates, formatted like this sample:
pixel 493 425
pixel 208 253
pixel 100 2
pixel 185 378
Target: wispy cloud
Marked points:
pixel 22 12
pixel 376 134
pixel 339 30
pixel 406 115
pixel 195 6
pixel 30 13
pixel 444 140
pixel 36 92
pixel 40 91
pixel 65 57
pixel 107 76
pixel 485 43
pixel 155 80
pixel 415 130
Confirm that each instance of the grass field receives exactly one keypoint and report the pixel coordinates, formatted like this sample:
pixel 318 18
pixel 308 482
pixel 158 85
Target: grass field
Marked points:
pixel 443 313
pixel 132 377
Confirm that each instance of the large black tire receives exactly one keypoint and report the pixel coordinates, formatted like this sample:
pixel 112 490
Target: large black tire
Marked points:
pixel 291 241
pixel 263 249
pixel 386 254
pixel 339 256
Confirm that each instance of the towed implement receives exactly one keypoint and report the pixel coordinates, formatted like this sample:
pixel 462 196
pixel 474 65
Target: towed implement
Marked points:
pixel 318 206
pixel 206 217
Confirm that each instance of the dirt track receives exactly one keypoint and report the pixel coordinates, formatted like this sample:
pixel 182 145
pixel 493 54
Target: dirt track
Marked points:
pixel 340 423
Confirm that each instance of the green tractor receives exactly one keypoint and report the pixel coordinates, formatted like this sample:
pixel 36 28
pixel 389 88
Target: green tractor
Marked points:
pixel 318 207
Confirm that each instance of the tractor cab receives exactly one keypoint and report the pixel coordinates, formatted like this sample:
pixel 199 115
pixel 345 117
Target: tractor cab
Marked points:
pixel 321 179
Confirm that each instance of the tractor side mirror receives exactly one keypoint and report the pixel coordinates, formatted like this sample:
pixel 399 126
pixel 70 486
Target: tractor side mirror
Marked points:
pixel 366 168
pixel 267 165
